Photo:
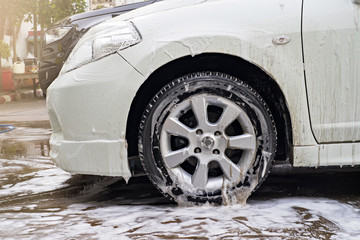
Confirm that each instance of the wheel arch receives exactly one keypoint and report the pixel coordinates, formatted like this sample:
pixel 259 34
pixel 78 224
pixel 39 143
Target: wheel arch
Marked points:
pixel 232 65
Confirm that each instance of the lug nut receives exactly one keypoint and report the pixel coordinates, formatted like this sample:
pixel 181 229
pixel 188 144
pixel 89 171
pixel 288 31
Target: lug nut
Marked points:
pixel 217 133
pixel 199 132
pixel 197 150
pixel 217 152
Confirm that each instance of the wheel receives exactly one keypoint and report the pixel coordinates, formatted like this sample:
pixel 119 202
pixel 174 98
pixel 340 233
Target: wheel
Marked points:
pixel 207 137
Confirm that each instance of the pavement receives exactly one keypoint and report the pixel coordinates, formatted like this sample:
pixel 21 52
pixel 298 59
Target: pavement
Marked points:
pixel 29 109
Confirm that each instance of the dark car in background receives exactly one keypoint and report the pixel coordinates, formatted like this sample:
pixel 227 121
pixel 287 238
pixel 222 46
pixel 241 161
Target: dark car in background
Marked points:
pixel 62 37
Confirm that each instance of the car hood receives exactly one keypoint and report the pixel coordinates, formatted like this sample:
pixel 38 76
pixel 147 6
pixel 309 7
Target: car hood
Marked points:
pixel 117 9
pixel 158 7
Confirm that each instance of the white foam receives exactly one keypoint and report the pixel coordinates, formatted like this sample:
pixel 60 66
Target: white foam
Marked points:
pixel 305 218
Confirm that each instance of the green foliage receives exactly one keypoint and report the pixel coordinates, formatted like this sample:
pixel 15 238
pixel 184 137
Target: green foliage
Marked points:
pixel 4 50
pixel 100 6
pixel 50 11
pixel 64 8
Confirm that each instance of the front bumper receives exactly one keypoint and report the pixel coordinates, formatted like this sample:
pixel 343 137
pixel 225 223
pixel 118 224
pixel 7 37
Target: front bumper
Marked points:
pixel 98 157
pixel 88 109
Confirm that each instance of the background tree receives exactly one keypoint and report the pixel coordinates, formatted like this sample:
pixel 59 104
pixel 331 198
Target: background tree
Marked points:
pixel 4 51
pixel 39 12
pixel 3 16
pixel 64 8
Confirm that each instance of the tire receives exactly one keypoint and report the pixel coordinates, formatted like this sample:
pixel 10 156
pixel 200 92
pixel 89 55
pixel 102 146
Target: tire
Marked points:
pixel 207 137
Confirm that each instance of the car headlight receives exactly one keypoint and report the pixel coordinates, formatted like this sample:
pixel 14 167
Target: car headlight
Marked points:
pixel 100 41
pixel 55 34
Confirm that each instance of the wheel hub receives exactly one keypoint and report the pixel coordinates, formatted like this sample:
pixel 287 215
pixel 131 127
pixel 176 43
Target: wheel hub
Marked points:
pixel 208 142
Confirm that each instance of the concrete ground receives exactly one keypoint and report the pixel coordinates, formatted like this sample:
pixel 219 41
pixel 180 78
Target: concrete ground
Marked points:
pixel 25 110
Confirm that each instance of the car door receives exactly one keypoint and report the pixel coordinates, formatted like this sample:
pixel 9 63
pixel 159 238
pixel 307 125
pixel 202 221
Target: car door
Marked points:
pixel 331 46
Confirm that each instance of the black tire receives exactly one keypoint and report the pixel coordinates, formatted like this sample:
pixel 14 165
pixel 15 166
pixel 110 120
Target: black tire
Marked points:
pixel 225 175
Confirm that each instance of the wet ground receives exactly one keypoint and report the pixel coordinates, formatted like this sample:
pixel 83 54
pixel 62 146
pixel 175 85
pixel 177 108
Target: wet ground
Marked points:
pixel 40 201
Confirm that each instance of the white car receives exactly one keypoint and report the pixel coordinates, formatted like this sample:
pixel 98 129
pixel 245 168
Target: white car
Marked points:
pixel 208 93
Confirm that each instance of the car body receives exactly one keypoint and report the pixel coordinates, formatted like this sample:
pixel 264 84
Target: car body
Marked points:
pixel 181 71
pixel 62 37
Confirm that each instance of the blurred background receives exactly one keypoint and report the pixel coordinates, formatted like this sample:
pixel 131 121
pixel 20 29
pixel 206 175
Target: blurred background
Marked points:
pixel 23 24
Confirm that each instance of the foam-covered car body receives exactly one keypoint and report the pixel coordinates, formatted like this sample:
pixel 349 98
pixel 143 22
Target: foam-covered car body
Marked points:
pixel 302 58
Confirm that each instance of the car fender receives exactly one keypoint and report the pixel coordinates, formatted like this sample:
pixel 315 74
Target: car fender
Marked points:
pixel 271 41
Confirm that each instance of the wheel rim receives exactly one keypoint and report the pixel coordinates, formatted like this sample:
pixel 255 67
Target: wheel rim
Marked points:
pixel 208 142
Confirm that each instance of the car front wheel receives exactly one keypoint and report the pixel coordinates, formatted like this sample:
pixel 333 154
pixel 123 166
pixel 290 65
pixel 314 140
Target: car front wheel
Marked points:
pixel 207 137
